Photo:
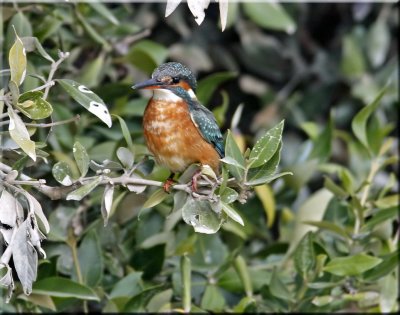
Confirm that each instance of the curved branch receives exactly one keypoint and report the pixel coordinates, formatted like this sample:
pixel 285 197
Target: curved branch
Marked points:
pixel 56 193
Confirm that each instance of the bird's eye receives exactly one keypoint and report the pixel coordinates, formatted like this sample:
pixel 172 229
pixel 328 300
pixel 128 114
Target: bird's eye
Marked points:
pixel 175 80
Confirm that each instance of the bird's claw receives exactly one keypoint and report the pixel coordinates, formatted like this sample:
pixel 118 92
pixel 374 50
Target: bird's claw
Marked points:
pixel 195 177
pixel 168 184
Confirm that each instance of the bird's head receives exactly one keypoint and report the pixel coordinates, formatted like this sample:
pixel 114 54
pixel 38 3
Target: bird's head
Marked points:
pixel 172 76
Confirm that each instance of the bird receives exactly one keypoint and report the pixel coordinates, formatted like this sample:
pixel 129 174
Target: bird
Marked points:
pixel 178 129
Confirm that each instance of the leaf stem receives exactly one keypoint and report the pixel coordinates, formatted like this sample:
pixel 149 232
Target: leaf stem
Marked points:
pixel 374 169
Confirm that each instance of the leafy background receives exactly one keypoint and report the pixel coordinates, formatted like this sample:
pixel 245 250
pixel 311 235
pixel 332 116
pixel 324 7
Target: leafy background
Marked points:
pixel 324 239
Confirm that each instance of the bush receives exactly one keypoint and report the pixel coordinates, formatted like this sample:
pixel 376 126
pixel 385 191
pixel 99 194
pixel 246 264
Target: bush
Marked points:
pixel 79 190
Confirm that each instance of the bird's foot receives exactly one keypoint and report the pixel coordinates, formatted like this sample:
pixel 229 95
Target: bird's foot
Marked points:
pixel 168 184
pixel 195 177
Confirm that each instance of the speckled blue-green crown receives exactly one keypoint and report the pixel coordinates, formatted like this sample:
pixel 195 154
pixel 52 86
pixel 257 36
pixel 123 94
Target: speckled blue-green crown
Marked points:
pixel 175 69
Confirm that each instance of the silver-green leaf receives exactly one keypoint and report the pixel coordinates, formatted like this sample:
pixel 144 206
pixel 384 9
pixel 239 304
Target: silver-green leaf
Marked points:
pixel 201 215
pixel 87 98
pixel 81 192
pixel 266 146
pixel 81 158
pixel 20 134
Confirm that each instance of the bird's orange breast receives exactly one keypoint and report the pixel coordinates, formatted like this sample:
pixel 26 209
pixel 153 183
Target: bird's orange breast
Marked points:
pixel 173 138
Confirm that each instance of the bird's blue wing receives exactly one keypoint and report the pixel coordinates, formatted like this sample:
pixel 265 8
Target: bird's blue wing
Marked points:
pixel 205 122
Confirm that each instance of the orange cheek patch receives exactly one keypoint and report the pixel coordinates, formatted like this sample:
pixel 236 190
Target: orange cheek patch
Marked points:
pixel 184 85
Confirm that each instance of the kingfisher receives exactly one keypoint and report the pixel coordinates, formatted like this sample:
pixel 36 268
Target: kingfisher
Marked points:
pixel 178 129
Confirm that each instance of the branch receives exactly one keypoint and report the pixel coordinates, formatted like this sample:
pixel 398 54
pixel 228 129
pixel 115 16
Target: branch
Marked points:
pixel 56 123
pixel 54 66
pixel 60 192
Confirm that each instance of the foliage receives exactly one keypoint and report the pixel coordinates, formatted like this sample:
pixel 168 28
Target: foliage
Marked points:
pixel 84 222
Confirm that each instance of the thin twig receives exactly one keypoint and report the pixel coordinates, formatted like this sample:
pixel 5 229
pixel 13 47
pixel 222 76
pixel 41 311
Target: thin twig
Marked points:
pixel 54 66
pixel 47 85
pixel 56 123
pixel 47 125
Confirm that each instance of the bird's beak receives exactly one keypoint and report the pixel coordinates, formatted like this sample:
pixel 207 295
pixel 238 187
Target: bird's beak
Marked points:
pixel 149 84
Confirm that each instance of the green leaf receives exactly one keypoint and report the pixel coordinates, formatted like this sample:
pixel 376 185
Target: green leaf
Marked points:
pixel 62 173
pixel 247 302
pixel 212 299
pixel 81 158
pixel 126 157
pixel 231 161
pixel 91 74
pixel 32 43
pixel 147 55
pixel 352 63
pixel 329 226
pixel 207 86
pixel 266 146
pixel 18 24
pixel 229 195
pixel 81 192
pixel 359 122
pixel 20 134
pixel 156 198
pixel 220 111
pixel 104 11
pixel 232 151
pixel 91 259
pixel 87 99
pixel 322 300
pixel 129 286
pixel 139 301
pixel 279 289
pixel 312 209
pixel 323 143
pixel 232 213
pixel 381 216
pixel 39 300
pixel 261 175
pixel 351 265
pixel 201 215
pixel 267 198
pixel 310 128
pixel 156 239
pixel 389 293
pixel 270 16
pixel 387 201
pixel 48 26
pixel 335 189
pixel 17 61
pixel 378 42
pixel 92 32
pixel 65 288
pixel 304 255
pixel 32 105
pixel 244 275
pixel 389 262
pixel 159 301
pixel 266 179
pixel 126 133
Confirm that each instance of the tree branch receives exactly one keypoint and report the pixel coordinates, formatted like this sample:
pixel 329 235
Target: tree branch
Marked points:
pixel 55 193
